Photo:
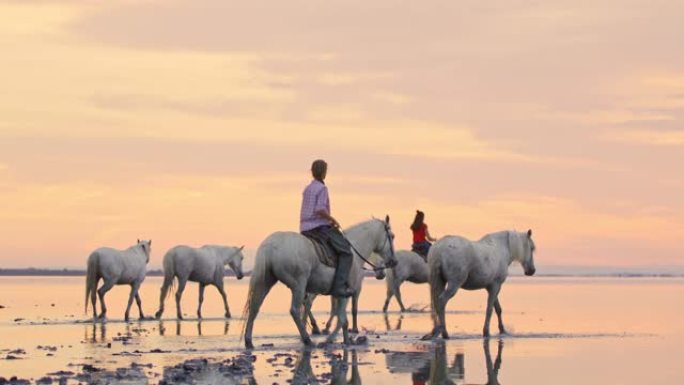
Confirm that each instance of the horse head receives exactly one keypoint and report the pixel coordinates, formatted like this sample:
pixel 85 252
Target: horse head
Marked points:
pixel 385 244
pixel 235 261
pixel 527 257
pixel 146 247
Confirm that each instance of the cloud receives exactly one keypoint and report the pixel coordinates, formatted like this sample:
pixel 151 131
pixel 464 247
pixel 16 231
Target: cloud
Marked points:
pixel 660 138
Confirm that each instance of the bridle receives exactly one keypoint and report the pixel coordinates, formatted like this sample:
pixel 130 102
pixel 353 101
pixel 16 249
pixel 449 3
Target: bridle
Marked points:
pixel 372 265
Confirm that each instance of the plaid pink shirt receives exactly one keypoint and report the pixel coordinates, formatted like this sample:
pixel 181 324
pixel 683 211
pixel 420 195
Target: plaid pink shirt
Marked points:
pixel 314 199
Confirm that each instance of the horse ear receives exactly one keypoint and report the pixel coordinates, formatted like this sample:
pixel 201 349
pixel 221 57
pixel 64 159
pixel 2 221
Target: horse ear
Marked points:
pixel 529 233
pixel 387 219
pixel 150 242
pixel 138 240
pixel 241 247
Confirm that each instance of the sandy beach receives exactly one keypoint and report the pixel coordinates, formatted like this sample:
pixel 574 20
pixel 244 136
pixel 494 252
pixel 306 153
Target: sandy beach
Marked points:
pixel 562 330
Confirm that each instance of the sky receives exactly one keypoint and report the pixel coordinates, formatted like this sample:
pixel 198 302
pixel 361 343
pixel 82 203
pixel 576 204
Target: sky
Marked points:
pixel 195 122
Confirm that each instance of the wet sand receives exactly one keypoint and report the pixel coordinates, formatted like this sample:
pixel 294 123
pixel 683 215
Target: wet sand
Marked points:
pixel 563 330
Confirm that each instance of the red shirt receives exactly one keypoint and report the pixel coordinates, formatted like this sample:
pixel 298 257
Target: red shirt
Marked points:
pixel 419 235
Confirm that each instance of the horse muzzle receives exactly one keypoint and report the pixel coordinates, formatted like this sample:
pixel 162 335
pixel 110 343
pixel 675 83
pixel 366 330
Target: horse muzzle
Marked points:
pixel 530 272
pixel 240 276
pixel 380 275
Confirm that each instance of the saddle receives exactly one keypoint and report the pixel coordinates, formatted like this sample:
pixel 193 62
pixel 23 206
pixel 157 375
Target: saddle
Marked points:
pixel 420 251
pixel 326 254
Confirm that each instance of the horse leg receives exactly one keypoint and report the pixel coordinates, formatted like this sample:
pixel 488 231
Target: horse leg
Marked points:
pixel 131 296
pixel 390 294
pixel 93 300
pixel 342 322
pixel 398 295
pixel 256 297
pixel 451 289
pixel 222 291
pixel 328 323
pixel 162 295
pixel 201 299
pixel 492 293
pixel 106 286
pixel 355 310
pixel 179 294
pixel 138 302
pixel 308 303
pixel 497 308
pixel 298 293
pixel 436 289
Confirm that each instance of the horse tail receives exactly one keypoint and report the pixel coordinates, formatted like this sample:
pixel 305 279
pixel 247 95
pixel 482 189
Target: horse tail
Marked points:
pixel 259 285
pixel 91 278
pixel 437 283
pixel 169 275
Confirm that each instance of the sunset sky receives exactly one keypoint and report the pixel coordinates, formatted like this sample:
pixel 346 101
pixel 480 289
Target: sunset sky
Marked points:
pixel 193 122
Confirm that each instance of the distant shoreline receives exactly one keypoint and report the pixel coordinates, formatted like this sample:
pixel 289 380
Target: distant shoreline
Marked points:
pixel 36 272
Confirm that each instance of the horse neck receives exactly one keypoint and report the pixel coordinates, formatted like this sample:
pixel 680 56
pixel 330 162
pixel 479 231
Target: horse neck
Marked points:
pixel 362 237
pixel 223 254
pixel 503 240
pixel 137 250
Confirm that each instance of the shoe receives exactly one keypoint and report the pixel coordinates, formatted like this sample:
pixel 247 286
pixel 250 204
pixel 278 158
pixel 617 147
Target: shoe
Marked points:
pixel 344 292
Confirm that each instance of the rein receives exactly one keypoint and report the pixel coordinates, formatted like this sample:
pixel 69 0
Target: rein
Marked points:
pixel 374 267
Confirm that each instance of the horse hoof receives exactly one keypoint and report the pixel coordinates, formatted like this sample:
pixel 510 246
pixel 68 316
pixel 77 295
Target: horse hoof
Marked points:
pixel 316 332
pixel 228 316
pixel 428 337
pixel 445 336
pixel 326 332
pixel 325 344
pixel 249 344
pixel 308 342
pixel 354 331
pixel 157 315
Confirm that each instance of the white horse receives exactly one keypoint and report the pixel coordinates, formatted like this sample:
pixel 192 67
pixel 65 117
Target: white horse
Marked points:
pixel 356 284
pixel 410 267
pixel 204 265
pixel 117 267
pixel 291 258
pixel 455 262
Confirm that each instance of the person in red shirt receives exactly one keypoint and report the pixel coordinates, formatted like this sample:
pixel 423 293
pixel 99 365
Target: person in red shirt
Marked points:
pixel 421 235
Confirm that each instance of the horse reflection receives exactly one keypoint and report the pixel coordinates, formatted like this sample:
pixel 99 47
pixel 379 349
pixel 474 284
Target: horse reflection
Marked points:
pixel 389 327
pixel 179 328
pixel 339 367
pixel 93 335
pixel 432 367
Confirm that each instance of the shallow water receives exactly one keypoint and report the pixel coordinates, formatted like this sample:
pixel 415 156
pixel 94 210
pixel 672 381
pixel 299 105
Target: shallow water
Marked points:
pixel 562 330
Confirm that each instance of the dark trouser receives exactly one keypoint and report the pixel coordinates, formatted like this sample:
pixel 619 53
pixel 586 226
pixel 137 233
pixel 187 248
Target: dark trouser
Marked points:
pixel 334 238
pixel 421 248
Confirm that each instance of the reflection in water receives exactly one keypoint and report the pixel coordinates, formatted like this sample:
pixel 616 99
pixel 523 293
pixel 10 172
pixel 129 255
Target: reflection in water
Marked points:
pixel 432 367
pixel 339 366
pixel 398 324
pixel 93 335
pixel 179 327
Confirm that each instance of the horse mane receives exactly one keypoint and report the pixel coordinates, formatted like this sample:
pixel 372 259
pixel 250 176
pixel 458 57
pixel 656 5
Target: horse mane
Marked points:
pixel 363 226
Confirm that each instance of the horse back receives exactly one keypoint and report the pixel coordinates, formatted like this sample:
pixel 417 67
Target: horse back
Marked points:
pixel 195 264
pixel 475 264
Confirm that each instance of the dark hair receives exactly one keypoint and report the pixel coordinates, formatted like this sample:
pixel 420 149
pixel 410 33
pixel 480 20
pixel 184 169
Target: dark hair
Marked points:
pixel 418 220
pixel 318 169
